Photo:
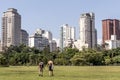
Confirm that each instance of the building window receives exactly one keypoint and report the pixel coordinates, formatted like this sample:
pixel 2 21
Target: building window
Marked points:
pixel 9 20
pixel 9 40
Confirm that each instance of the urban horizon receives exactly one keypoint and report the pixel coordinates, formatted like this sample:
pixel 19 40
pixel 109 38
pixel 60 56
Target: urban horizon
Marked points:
pixel 51 15
pixel 99 41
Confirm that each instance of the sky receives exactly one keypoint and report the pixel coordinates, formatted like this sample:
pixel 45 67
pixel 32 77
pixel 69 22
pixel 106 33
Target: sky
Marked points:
pixel 51 14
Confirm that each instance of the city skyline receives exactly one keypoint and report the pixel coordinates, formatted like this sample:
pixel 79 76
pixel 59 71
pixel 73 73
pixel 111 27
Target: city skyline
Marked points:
pixel 50 15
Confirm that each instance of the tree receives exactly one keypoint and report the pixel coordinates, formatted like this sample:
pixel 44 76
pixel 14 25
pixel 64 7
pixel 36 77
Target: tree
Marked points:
pixel 78 59
pixel 3 60
pixel 116 59
pixel 107 60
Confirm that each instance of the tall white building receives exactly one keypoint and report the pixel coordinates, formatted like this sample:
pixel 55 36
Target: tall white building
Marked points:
pixel 48 35
pixel 0 46
pixel 88 33
pixel 11 28
pixel 37 40
pixel 67 36
pixel 42 39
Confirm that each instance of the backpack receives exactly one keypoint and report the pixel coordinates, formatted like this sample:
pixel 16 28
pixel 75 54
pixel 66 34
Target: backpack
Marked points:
pixel 41 64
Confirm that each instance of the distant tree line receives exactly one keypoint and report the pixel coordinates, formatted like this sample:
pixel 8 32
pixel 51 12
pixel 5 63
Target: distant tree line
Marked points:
pixel 24 55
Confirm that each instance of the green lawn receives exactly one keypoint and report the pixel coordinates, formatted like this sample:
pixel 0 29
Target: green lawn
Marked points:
pixel 61 73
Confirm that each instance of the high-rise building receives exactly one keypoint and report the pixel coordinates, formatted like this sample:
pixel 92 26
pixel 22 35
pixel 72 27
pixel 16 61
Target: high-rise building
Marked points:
pixel 11 28
pixel 67 36
pixel 24 37
pixel 110 27
pixel 48 35
pixel 0 46
pixel 38 40
pixel 42 39
pixel 88 33
pixel 53 45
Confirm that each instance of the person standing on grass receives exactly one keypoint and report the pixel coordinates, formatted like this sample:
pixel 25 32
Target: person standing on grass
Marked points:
pixel 50 67
pixel 41 66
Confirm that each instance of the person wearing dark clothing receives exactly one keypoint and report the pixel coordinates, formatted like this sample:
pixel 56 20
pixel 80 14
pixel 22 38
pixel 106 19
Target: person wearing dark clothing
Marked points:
pixel 50 66
pixel 41 66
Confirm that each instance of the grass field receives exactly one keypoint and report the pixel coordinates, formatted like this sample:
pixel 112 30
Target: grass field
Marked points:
pixel 61 73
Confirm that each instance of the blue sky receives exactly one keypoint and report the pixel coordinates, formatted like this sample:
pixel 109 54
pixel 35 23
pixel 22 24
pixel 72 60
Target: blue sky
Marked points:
pixel 51 14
